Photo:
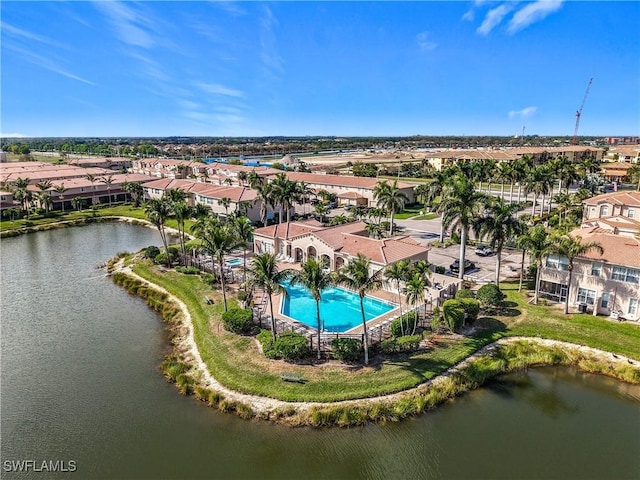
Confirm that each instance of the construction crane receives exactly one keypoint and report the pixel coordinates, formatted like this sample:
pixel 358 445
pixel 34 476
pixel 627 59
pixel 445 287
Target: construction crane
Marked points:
pixel 574 140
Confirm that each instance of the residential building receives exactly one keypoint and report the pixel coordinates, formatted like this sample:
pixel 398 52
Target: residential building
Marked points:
pixel 334 246
pixel 615 204
pixel 349 190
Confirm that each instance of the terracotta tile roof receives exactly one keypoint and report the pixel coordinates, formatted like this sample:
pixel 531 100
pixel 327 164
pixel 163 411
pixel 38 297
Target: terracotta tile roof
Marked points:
pixel 234 193
pixel 286 230
pixel 628 198
pixel 350 195
pixel 339 180
pixel 618 249
pixel 242 168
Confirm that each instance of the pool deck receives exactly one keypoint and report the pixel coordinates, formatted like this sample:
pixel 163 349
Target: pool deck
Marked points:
pixel 383 321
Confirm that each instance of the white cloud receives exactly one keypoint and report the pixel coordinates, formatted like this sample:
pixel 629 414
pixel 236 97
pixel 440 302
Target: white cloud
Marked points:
pixel 424 43
pixel 268 43
pixel 469 15
pixel 531 13
pixel 217 89
pixel 493 18
pixel 13 135
pixel 137 26
pixel 524 113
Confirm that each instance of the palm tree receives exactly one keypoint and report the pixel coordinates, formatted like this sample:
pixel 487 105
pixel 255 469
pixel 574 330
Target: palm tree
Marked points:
pixel 78 202
pixel 44 196
pixel 538 182
pixel 93 179
pixel 225 202
pixel 391 198
pixel 398 272
pixel 414 291
pixel 536 241
pixel 503 174
pixel 499 225
pixel 356 275
pixel 244 233
pixel 521 167
pixel 313 277
pixel 321 209
pixel 158 211
pixel 108 181
pixel 460 205
pixel 135 190
pixel 263 273
pixel 218 239
pixel 571 247
pixel 60 190
pixel 634 175
pixel 565 172
pixel 285 193
pixel 242 178
pixel 22 195
pixel 266 198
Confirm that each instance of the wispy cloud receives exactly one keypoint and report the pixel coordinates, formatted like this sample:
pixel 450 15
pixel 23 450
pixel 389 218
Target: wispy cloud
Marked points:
pixel 424 42
pixel 48 63
pixel 268 43
pixel 217 89
pixel 493 18
pixel 533 12
pixel 25 35
pixel 13 135
pixel 132 25
pixel 232 8
pixel 524 113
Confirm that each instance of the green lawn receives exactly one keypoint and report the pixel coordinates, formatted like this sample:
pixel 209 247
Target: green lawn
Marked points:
pixel 237 363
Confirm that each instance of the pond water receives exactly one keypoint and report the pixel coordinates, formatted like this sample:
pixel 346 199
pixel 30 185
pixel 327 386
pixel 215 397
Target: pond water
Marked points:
pixel 80 382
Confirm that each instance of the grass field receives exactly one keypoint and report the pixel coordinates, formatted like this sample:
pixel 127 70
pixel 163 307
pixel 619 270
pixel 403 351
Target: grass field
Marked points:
pixel 238 364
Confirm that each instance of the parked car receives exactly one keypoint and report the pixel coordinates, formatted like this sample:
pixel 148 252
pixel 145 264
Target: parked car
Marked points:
pixel 484 251
pixel 455 266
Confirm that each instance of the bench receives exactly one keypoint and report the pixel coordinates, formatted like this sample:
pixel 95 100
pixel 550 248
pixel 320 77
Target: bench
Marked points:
pixel 208 301
pixel 291 377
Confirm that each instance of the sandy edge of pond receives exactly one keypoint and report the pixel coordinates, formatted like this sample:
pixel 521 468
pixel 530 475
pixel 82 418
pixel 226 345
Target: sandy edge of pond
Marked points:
pixel 186 343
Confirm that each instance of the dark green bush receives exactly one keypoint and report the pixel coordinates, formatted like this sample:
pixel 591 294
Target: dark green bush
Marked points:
pixel 453 314
pixel 408 343
pixel 242 295
pixel 347 349
pixel 161 258
pixel 237 320
pixel 151 252
pixel 490 295
pixel 187 270
pixel 291 346
pixel 406 322
pixel 390 345
pixel 266 340
pixel 464 293
pixel 440 269
pixel 209 279
pixel 471 308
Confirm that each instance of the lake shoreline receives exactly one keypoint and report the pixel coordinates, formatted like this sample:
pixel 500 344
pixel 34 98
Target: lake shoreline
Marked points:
pixel 470 373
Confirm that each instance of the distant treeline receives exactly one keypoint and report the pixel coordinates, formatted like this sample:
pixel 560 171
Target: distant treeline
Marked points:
pixel 248 146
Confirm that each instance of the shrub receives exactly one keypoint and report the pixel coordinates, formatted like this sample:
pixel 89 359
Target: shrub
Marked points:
pixel 291 346
pixel 390 345
pixel 453 314
pixel 242 295
pixel 471 309
pixel 238 320
pixel 187 270
pixel 408 343
pixel 266 340
pixel 151 252
pixel 464 293
pixel 347 349
pixel 161 258
pixel 440 269
pixel 208 278
pixel 407 322
pixel 490 295
pixel 436 321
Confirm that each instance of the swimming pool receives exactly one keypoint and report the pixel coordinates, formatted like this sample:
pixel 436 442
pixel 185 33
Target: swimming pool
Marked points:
pixel 339 308
pixel 234 262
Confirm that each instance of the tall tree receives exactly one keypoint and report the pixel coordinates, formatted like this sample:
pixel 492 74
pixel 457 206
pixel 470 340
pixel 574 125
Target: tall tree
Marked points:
pixel 158 211
pixel 60 190
pixel 108 181
pixel 499 225
pixel 93 179
pixel 391 198
pixel 135 190
pixel 244 233
pixel 571 247
pixel 357 276
pixel 313 277
pixel 225 202
pixel 218 239
pixel 263 273
pixel 461 204
pixel 398 272
pixel 414 290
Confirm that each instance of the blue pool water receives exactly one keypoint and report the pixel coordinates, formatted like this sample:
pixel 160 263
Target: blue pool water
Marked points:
pixel 234 262
pixel 255 163
pixel 339 308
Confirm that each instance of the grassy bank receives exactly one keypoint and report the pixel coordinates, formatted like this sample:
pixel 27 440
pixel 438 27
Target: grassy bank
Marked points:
pixel 237 363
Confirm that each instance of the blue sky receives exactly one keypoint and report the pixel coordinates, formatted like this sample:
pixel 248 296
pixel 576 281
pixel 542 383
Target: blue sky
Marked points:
pixel 319 68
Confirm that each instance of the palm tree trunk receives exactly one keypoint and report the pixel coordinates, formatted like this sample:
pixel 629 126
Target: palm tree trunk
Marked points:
pixel 502 191
pixel 400 305
pixel 365 336
pixel 498 263
pixel 566 301
pixel 319 325
pixel 441 229
pixel 511 193
pixel 537 289
pixel 521 270
pixel 519 191
pixel 463 247
pixel 273 319
pixel 391 223
pixel 224 293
